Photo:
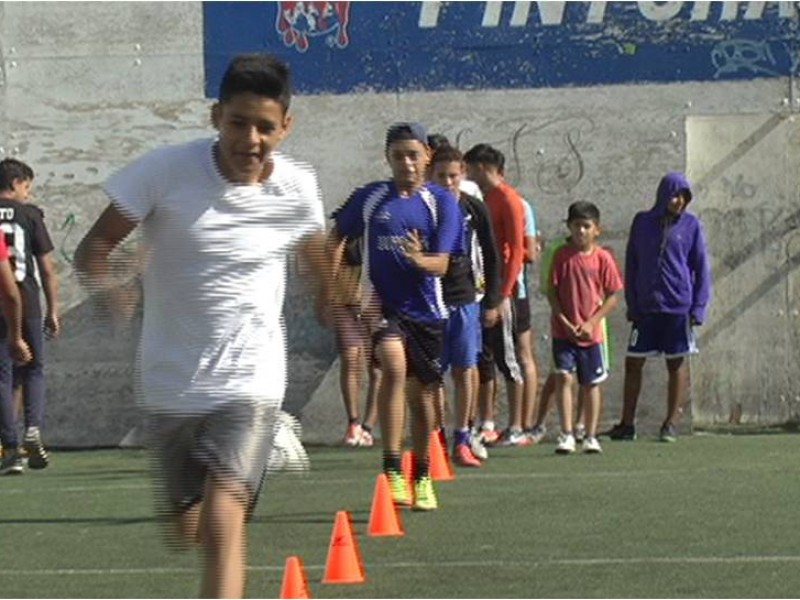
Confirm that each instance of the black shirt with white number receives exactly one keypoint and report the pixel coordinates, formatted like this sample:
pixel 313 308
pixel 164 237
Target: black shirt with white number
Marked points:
pixel 26 237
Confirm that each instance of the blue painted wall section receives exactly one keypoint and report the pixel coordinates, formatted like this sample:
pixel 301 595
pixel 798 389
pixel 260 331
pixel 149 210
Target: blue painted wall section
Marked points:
pixel 346 47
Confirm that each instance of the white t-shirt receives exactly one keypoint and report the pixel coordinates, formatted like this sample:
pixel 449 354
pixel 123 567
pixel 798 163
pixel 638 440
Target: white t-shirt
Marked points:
pixel 215 274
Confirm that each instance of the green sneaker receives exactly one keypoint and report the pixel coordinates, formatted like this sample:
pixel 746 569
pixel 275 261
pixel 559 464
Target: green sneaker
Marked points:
pixel 424 495
pixel 397 485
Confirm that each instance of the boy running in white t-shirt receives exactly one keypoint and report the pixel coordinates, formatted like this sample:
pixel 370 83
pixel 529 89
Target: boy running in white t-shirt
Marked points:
pixel 219 219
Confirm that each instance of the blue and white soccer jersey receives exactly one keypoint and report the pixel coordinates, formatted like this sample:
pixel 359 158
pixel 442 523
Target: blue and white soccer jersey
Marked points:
pixel 385 219
pixel 411 299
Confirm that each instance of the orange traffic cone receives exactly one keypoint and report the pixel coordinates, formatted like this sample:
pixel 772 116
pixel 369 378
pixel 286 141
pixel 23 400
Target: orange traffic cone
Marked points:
pixel 383 518
pixel 441 469
pixel 407 466
pixel 295 584
pixel 344 560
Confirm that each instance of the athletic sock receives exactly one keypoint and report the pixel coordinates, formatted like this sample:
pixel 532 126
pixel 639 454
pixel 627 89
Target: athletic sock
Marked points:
pixel 421 469
pixel 461 436
pixel 391 462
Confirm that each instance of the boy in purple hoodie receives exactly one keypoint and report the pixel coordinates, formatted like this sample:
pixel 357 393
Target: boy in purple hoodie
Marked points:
pixel 667 290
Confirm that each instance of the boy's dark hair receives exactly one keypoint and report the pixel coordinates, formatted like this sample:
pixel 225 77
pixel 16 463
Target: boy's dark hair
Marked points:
pixel 406 131
pixel 583 210
pixel 11 169
pixel 261 74
pixel 486 155
pixel 447 154
pixel 437 140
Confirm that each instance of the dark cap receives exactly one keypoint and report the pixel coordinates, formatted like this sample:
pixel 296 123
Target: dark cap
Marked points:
pixel 406 131
pixel 583 210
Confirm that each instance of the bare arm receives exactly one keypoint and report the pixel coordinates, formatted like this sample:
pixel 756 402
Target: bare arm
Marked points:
pixel 50 287
pixel 12 312
pixel 531 248
pixel 555 307
pixel 315 256
pixel 92 258
pixel 432 263
pixel 586 330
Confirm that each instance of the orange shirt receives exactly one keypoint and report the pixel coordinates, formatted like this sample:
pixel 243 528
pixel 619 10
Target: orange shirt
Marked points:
pixel 508 222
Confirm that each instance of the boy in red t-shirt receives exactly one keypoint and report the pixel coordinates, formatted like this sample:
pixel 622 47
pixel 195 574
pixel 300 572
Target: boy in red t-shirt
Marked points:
pixel 585 283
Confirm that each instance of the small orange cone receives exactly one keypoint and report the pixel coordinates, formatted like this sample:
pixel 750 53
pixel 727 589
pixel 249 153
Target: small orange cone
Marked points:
pixel 295 584
pixel 407 466
pixel 384 518
pixel 441 469
pixel 344 559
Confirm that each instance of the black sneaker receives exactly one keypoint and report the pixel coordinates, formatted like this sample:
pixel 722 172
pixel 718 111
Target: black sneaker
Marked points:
pixel 668 433
pixel 37 455
pixel 11 463
pixel 622 432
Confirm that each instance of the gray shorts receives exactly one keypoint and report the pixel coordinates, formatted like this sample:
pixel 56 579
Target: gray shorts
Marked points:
pixel 233 442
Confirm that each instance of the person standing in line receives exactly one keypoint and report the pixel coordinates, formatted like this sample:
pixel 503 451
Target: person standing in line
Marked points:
pixel 500 346
pixel 31 258
pixel 585 285
pixel 472 293
pixel 668 275
pixel 352 340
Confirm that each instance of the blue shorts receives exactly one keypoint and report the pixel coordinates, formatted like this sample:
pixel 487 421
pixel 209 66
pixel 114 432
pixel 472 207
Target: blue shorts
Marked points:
pixel 588 361
pixel 655 334
pixel 462 338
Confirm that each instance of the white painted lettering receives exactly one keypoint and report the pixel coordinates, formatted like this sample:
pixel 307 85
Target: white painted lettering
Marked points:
pixel 519 17
pixel 755 10
pixel 730 10
pixel 700 11
pixel 597 12
pixel 491 13
pixel 429 14
pixel 7 214
pixel 551 13
pixel 659 11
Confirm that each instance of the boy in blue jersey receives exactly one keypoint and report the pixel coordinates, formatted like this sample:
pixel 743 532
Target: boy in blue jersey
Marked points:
pixel 410 228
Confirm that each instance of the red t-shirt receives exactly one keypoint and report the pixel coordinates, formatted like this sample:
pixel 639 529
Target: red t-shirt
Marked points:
pixel 3 248
pixel 582 282
pixel 508 222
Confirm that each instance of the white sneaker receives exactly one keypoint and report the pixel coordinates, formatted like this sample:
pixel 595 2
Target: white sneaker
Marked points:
pixel 287 452
pixel 477 448
pixel 591 446
pixel 566 444
pixel 366 440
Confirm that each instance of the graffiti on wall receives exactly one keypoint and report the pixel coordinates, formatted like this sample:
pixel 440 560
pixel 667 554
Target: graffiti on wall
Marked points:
pixel 346 47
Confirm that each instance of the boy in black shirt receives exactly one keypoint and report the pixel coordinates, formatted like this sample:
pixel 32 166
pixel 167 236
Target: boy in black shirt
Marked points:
pixel 31 257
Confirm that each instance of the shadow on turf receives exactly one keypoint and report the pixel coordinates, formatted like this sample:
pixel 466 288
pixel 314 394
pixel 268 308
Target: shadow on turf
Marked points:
pixel 357 517
pixel 67 521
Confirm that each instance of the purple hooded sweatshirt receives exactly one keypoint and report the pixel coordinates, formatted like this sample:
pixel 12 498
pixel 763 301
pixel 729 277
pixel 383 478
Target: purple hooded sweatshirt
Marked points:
pixel 667 268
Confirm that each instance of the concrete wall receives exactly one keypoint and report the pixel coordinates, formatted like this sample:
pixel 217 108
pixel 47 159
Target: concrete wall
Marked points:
pixel 88 86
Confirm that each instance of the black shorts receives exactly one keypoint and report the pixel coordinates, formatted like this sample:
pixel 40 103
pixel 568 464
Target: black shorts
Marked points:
pixel 423 341
pixel 522 316
pixel 500 348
